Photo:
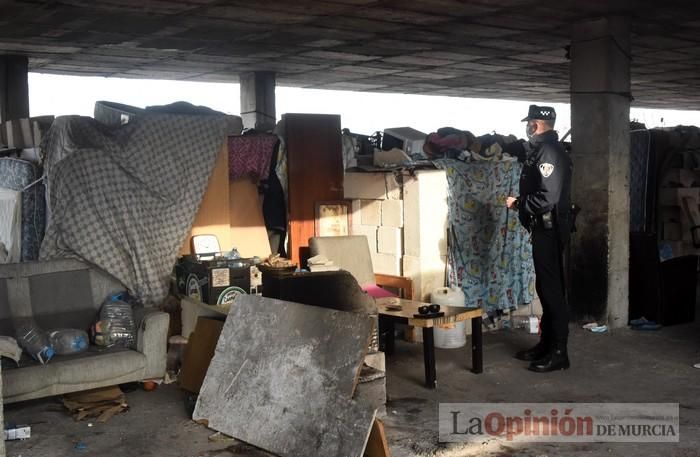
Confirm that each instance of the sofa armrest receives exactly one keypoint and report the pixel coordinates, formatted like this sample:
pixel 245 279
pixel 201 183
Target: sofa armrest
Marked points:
pixel 398 282
pixel 152 341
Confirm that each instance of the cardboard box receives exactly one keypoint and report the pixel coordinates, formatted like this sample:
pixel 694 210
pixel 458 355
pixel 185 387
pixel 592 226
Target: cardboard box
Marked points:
pixel 199 352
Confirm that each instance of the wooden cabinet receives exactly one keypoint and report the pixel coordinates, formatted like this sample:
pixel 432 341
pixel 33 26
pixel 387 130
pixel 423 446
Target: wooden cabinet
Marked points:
pixel 315 173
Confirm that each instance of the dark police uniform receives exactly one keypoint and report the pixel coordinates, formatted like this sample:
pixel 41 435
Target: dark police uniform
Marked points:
pixel 544 209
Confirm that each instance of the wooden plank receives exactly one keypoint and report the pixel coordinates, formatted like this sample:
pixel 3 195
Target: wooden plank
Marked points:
pixel 377 446
pixel 315 172
pixel 282 375
pixel 398 282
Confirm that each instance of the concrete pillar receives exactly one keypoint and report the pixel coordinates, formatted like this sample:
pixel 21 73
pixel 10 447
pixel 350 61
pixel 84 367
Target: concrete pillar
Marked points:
pixel 258 100
pixel 600 104
pixel 14 88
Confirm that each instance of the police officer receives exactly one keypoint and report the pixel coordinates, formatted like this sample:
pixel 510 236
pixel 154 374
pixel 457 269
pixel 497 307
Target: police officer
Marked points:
pixel 543 208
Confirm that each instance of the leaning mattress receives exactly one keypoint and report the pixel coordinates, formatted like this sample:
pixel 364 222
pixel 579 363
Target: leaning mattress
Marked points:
pixel 19 175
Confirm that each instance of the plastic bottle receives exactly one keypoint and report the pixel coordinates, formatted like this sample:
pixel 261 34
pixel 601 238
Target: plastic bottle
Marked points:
pixel 34 341
pixel 119 319
pixel 68 341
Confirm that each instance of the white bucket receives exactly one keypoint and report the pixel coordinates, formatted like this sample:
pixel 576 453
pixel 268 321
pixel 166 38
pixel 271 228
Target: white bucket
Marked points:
pixel 453 335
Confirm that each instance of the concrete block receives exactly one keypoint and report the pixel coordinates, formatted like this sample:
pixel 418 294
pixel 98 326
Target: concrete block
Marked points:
pixel 392 213
pixel 376 360
pixel 370 231
pixel 427 273
pixel 425 214
pixel 366 186
pixel 373 394
pixel 387 264
pixel 389 240
pixel 371 212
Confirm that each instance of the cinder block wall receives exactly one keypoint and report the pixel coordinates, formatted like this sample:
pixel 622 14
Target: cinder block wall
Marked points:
pixel 405 221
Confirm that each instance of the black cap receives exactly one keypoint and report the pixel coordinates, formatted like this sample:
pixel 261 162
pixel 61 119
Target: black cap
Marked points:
pixel 544 113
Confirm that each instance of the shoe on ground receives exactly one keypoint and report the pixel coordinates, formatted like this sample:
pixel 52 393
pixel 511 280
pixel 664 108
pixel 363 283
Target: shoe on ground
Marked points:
pixel 555 360
pixel 536 352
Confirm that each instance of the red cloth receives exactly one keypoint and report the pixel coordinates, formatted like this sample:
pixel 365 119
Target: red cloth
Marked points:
pixel 250 155
pixel 375 291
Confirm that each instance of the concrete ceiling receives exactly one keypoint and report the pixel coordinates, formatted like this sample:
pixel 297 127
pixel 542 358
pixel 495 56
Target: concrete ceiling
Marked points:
pixel 510 49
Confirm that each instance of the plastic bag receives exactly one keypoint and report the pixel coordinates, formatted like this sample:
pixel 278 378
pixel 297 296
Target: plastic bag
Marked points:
pixel 116 325
pixel 68 341
pixel 34 341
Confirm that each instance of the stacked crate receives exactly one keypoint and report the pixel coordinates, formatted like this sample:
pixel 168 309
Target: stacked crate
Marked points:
pixel 404 217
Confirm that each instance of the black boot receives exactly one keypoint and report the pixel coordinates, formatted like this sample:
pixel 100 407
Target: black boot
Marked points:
pixel 534 353
pixel 556 359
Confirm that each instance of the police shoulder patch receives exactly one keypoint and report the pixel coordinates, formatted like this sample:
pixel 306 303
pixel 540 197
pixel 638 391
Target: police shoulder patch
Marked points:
pixel 546 169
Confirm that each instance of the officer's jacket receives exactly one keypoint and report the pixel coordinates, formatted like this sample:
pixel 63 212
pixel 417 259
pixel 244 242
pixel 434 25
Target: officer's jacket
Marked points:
pixel 545 180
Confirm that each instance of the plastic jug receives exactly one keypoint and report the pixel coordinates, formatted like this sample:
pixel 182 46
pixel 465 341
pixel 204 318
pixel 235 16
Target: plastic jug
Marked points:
pixel 456 335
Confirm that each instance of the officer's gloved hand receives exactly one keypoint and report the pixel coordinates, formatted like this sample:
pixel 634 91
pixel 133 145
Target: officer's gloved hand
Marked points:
pixel 516 149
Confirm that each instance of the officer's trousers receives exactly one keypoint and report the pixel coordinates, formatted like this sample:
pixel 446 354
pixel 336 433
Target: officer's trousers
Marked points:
pixel 547 250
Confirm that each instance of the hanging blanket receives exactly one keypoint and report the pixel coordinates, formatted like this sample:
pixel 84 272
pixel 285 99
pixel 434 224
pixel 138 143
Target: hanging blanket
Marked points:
pixel 490 253
pixel 124 198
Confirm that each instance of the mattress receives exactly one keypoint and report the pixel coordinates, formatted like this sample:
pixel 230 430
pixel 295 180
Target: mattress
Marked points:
pixel 18 174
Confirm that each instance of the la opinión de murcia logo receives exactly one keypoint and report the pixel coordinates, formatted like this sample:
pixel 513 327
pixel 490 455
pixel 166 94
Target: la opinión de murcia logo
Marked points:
pixel 589 422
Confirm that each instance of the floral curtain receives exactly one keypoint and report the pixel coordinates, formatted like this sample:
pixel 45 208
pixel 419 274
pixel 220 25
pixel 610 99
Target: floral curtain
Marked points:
pixel 490 255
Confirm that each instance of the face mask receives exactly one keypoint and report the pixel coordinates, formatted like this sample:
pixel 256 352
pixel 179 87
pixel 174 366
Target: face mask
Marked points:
pixel 530 130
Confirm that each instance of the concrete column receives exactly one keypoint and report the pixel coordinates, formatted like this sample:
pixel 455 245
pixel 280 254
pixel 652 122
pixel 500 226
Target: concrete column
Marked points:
pixel 258 100
pixel 14 88
pixel 600 104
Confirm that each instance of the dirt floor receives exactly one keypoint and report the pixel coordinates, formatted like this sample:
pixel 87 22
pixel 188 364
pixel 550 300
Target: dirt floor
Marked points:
pixel 623 366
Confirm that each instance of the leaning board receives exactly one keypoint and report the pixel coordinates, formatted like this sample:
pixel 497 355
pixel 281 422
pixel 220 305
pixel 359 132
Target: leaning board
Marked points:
pixel 282 379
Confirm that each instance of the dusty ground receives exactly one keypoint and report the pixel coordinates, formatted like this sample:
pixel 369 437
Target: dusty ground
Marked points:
pixel 625 366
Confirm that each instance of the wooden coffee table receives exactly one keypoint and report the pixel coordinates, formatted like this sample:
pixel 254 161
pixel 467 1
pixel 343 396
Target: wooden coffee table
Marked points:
pixel 453 314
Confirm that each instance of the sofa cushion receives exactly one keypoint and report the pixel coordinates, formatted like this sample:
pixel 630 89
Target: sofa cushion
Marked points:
pixel 18 381
pixel 375 291
pixel 62 299
pixel 94 365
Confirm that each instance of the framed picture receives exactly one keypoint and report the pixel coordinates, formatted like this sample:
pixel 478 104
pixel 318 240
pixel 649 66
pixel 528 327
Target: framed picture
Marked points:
pixel 333 218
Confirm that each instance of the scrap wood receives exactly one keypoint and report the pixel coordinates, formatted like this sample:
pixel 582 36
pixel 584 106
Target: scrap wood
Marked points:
pixel 377 445
pixel 102 403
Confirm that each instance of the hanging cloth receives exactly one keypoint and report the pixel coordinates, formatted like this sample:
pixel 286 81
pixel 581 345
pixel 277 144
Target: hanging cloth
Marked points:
pixel 250 155
pixel 10 226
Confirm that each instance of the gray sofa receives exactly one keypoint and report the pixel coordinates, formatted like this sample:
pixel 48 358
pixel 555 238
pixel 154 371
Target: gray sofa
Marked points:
pixel 68 294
